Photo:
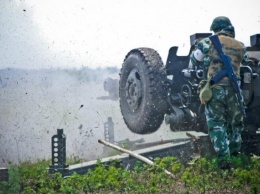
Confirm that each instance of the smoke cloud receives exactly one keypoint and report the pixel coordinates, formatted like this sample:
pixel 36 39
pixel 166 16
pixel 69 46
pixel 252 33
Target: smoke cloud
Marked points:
pixel 35 103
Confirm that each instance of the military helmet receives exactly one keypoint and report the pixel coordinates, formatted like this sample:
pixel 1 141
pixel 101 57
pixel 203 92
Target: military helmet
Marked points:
pixel 222 24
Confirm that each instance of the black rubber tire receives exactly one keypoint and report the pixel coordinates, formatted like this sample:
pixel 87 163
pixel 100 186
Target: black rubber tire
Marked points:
pixel 142 92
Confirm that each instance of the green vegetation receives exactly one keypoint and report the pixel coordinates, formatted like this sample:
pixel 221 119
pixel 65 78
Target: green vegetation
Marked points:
pixel 199 176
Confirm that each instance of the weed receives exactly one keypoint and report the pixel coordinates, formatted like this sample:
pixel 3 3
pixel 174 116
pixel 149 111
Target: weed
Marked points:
pixel 200 176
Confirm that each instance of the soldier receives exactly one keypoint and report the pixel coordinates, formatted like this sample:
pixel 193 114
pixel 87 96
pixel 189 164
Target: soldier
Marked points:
pixel 223 113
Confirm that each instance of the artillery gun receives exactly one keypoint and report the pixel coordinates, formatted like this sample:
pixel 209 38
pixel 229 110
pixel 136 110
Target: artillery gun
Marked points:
pixel 151 92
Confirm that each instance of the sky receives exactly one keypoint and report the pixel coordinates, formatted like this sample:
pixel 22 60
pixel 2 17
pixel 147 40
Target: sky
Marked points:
pixel 43 34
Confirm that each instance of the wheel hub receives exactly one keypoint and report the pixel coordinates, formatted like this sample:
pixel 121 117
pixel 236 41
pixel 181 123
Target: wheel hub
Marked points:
pixel 133 90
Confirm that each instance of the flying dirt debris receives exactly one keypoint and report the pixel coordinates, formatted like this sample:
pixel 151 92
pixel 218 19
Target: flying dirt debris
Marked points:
pixel 150 92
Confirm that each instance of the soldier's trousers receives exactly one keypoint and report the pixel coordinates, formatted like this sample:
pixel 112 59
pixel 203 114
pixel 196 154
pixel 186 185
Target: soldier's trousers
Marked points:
pixel 225 121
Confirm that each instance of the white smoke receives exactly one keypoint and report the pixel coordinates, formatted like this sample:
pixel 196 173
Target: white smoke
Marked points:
pixel 35 103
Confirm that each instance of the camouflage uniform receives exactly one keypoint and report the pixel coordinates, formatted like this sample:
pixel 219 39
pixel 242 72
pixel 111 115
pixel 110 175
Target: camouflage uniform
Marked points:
pixel 223 114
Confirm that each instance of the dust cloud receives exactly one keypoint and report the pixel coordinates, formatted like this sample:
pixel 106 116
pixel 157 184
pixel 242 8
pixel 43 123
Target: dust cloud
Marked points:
pixel 35 103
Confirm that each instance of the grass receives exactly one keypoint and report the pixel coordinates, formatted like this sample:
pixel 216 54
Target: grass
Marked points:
pixel 199 176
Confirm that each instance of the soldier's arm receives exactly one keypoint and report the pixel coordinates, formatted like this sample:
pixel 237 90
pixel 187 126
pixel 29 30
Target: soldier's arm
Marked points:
pixel 245 59
pixel 197 56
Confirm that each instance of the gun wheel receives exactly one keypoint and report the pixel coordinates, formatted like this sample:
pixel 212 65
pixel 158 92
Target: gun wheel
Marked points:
pixel 143 96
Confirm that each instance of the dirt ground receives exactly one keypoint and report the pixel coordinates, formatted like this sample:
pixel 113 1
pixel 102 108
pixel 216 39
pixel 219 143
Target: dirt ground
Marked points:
pixel 35 103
